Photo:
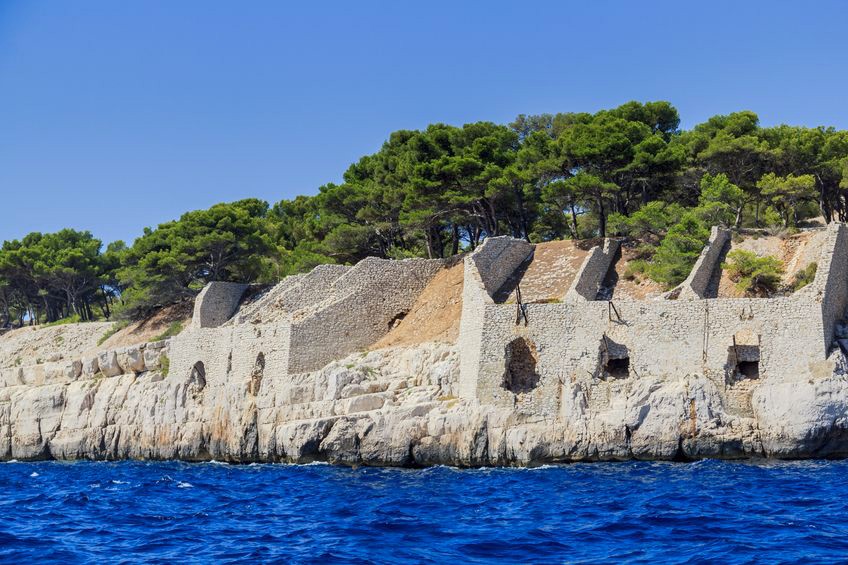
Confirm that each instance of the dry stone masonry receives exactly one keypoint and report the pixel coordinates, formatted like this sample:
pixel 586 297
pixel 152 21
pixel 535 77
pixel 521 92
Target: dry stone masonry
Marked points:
pixel 286 375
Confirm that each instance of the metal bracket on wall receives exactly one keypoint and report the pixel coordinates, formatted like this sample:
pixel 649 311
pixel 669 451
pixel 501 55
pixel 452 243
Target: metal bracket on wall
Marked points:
pixel 521 307
pixel 610 309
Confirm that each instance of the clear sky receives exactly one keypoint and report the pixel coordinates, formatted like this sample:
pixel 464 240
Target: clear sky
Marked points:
pixel 115 115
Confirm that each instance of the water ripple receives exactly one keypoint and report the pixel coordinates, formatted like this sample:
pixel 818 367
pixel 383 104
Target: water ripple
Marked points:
pixel 732 512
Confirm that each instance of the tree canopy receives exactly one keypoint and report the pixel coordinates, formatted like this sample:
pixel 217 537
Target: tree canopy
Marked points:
pixel 628 171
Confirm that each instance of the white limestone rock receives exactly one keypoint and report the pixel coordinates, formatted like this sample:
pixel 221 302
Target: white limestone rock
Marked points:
pixel 131 359
pixel 107 363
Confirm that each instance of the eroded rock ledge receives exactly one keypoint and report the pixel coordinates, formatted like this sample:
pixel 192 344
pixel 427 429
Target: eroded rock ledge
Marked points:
pixel 399 407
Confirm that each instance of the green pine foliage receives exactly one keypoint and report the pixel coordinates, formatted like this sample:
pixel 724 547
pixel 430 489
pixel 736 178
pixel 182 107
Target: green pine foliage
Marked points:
pixel 628 171
pixel 805 276
pixel 754 275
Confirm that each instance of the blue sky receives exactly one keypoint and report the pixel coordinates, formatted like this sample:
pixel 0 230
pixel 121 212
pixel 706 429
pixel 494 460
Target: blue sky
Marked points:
pixel 120 115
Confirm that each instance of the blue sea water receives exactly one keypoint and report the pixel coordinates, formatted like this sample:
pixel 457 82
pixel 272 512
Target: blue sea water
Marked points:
pixel 708 511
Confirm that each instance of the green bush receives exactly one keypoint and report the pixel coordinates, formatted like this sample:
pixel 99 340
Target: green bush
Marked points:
pixel 804 277
pixel 635 268
pixel 678 251
pixel 164 365
pixel 73 319
pixel 752 274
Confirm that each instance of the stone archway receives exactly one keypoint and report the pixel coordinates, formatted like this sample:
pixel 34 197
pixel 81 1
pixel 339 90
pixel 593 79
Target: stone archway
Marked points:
pixel 197 378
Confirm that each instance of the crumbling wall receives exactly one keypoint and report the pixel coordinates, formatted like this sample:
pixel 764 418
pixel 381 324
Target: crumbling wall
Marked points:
pixel 216 303
pixel 135 359
pixel 315 287
pixel 497 259
pixel 255 310
pixel 592 272
pixel 486 270
pixel 231 352
pixel 368 298
pixel 696 284
pixel 666 339
pixel 830 285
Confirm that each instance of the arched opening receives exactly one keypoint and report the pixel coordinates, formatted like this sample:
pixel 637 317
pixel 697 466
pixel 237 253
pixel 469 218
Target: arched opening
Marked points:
pixel 198 376
pixel 615 359
pixel 256 375
pixel 521 360
pixel 744 363
pixel 743 357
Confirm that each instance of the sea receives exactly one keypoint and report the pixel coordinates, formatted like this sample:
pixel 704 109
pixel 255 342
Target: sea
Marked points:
pixel 632 512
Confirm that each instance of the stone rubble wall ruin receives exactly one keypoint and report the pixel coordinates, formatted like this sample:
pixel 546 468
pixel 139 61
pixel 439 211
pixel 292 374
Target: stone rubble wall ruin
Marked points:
pixel 368 298
pixel 571 342
pixel 696 284
pixel 216 303
pixel 830 286
pixel 592 272
pixel 325 315
pixel 246 383
pixel 485 271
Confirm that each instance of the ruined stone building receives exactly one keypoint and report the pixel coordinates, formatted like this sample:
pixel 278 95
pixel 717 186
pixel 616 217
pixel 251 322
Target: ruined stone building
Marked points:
pixel 547 352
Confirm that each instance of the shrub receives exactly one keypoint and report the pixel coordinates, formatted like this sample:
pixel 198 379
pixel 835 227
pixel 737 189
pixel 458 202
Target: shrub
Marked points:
pixel 72 319
pixel 753 274
pixel 678 251
pixel 804 277
pixel 635 268
pixel 164 365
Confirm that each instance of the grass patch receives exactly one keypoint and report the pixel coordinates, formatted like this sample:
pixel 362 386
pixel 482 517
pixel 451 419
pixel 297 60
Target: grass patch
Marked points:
pixel 174 329
pixel 164 365
pixel 75 319
pixel 116 327
pixel 805 276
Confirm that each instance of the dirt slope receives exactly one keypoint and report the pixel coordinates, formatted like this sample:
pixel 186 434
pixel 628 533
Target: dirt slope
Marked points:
pixel 549 273
pixel 150 327
pixel 435 315
pixel 795 251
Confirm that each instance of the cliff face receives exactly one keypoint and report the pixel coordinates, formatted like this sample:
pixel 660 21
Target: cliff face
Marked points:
pixel 568 377
pixel 400 407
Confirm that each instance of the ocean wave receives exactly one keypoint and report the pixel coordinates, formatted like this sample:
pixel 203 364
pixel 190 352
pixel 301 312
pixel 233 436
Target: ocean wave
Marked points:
pixel 714 511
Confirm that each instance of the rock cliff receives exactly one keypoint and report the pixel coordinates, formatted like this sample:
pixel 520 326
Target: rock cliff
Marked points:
pixel 399 406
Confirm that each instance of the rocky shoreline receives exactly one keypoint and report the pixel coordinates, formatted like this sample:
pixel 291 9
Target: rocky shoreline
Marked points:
pixel 400 407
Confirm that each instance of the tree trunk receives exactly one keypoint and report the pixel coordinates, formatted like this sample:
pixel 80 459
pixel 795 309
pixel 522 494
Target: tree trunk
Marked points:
pixel 602 217
pixel 455 240
pixel 575 232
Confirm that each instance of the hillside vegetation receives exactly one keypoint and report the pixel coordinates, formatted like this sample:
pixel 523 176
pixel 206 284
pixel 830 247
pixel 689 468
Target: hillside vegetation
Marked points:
pixel 628 171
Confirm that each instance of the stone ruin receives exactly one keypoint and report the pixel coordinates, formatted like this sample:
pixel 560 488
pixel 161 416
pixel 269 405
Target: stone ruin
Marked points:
pixel 544 356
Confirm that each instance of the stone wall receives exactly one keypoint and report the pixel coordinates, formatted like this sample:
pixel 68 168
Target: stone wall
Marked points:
pixel 134 359
pixel 667 339
pixel 317 286
pixel 216 303
pixel 696 284
pixel 261 304
pixel 485 271
pixel 830 286
pixel 305 323
pixel 497 259
pixel 597 345
pixel 592 272
pixel 365 301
